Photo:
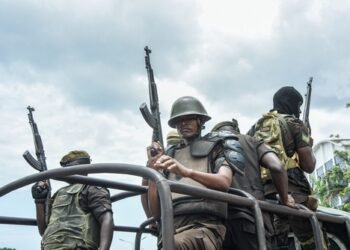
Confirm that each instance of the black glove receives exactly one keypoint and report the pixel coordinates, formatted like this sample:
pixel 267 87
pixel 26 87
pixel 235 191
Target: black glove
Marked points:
pixel 40 190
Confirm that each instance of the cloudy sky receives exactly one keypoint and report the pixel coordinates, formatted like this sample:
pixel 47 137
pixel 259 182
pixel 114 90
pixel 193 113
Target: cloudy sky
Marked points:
pixel 80 63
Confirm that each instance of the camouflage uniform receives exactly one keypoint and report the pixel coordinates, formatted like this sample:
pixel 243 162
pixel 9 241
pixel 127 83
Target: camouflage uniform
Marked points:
pixel 298 187
pixel 74 212
pixel 295 135
pixel 93 201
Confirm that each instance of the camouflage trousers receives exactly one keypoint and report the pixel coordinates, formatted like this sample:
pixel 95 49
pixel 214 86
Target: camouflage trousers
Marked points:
pixel 301 228
pixel 195 232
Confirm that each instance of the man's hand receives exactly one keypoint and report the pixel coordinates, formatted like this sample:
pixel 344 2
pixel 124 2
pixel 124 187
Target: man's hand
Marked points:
pixel 153 153
pixel 290 202
pixel 168 163
pixel 40 190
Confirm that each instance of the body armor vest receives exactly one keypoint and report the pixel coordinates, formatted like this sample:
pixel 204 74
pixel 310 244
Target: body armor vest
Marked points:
pixel 251 181
pixel 184 204
pixel 69 225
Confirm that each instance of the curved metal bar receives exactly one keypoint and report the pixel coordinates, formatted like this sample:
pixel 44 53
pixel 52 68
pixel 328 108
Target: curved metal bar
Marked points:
pixel 167 218
pixel 210 194
pixel 119 168
pixel 301 212
pixel 339 219
pixel 259 222
pixel 102 183
pixel 132 229
pixel 347 225
pixel 279 209
pixel 17 221
pixel 315 228
pixel 139 233
pixel 123 195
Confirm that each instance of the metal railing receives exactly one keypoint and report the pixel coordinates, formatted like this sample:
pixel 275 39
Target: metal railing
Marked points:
pixel 234 197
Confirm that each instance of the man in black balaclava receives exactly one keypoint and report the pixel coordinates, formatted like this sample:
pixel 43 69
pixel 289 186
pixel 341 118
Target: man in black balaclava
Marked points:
pixel 287 100
pixel 293 144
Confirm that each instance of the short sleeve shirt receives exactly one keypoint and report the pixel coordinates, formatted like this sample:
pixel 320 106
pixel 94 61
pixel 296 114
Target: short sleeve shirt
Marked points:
pixel 96 200
pixel 299 133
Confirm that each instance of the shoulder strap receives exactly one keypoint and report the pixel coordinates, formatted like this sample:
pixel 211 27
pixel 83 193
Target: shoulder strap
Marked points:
pixel 286 133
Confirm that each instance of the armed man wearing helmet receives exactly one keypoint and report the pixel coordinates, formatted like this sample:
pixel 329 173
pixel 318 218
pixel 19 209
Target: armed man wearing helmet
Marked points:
pixel 241 229
pixel 208 161
pixel 80 215
pixel 295 152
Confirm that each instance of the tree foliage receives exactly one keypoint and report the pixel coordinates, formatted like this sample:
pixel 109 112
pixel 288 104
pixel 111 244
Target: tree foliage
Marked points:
pixel 335 183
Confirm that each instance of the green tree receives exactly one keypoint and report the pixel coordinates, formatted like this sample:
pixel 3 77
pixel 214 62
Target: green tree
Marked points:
pixel 335 183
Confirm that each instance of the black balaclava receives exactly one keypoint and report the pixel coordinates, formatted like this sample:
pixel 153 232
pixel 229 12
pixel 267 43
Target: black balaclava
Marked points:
pixel 287 100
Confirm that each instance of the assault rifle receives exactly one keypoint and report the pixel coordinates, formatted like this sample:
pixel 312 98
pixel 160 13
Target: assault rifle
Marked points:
pixel 152 117
pixel 307 105
pixel 39 163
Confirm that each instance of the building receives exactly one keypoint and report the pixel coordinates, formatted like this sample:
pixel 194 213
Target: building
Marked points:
pixel 326 159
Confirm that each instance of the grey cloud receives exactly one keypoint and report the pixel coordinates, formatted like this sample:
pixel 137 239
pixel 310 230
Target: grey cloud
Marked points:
pixel 100 54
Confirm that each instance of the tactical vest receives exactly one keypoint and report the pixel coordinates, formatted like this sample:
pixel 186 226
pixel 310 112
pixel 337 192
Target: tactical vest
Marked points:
pixel 69 225
pixel 274 130
pixel 251 181
pixel 185 204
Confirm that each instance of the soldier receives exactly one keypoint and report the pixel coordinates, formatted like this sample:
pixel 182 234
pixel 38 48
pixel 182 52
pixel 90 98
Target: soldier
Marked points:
pixel 298 158
pixel 173 138
pixel 200 161
pixel 80 216
pixel 241 230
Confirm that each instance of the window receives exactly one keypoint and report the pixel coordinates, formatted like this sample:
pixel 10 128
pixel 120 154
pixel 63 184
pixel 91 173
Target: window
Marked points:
pixel 329 164
pixel 339 161
pixel 320 172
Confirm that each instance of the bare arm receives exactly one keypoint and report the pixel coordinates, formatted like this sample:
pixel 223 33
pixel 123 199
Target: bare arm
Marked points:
pixel 150 200
pixel 307 159
pixel 153 200
pixel 279 177
pixel 106 230
pixel 40 216
pixel 144 198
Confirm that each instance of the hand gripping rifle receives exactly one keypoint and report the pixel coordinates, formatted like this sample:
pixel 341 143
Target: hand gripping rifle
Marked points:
pixel 307 105
pixel 39 163
pixel 152 117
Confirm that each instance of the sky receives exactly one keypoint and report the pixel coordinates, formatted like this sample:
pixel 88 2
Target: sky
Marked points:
pixel 80 64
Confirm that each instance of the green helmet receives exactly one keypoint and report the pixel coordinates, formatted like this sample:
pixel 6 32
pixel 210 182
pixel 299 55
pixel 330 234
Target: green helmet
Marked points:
pixel 173 137
pixel 75 157
pixel 187 105
pixel 218 126
pixel 232 124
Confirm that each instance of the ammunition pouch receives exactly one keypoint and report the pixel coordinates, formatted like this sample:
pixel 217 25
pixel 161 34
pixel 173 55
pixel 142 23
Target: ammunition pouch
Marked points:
pixel 312 203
